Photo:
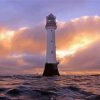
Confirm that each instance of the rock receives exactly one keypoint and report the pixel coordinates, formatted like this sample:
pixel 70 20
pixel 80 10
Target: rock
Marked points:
pixel 51 70
pixel 93 97
pixel 73 88
pixel 4 98
pixel 2 89
pixel 14 92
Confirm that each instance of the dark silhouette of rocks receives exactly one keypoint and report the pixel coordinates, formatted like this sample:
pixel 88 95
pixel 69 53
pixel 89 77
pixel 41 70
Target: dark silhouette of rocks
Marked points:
pixel 14 92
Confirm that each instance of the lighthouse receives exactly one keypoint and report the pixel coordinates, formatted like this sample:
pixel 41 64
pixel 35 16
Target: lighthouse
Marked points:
pixel 51 64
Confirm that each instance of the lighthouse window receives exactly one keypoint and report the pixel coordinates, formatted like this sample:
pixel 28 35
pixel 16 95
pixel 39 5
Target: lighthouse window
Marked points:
pixel 51 41
pixel 51 51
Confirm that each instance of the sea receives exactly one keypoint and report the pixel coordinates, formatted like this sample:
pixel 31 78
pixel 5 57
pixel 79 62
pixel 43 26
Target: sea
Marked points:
pixel 37 87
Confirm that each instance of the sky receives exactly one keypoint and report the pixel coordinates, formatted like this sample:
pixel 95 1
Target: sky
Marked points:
pixel 23 35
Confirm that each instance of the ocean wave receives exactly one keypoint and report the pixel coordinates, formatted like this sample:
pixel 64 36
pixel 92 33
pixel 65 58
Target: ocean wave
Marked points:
pixel 30 87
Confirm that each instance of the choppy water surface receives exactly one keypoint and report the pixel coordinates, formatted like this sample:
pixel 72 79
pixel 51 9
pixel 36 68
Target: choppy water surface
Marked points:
pixel 32 87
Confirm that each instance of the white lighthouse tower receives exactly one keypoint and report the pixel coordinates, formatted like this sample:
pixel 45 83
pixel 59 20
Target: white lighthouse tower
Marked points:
pixel 51 68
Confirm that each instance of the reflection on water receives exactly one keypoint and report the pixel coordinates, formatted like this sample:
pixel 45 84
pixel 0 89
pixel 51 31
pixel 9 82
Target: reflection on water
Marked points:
pixel 32 87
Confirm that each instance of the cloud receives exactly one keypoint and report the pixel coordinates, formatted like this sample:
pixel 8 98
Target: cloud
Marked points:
pixel 87 59
pixel 80 36
pixel 21 63
pixel 77 46
pixel 29 40
pixel 78 28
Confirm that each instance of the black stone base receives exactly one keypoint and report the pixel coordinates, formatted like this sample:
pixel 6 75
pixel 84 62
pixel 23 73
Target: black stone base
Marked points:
pixel 51 70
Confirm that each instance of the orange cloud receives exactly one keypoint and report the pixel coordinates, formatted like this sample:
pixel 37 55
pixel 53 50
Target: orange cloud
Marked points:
pixel 77 34
pixel 28 41
pixel 77 42
pixel 5 41
pixel 87 59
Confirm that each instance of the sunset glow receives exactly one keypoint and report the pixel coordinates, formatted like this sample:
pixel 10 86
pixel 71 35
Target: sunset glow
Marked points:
pixel 49 49
pixel 75 37
pixel 78 44
pixel 6 35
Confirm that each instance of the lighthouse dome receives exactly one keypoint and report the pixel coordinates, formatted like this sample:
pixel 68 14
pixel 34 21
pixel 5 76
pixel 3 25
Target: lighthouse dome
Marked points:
pixel 51 17
pixel 51 21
